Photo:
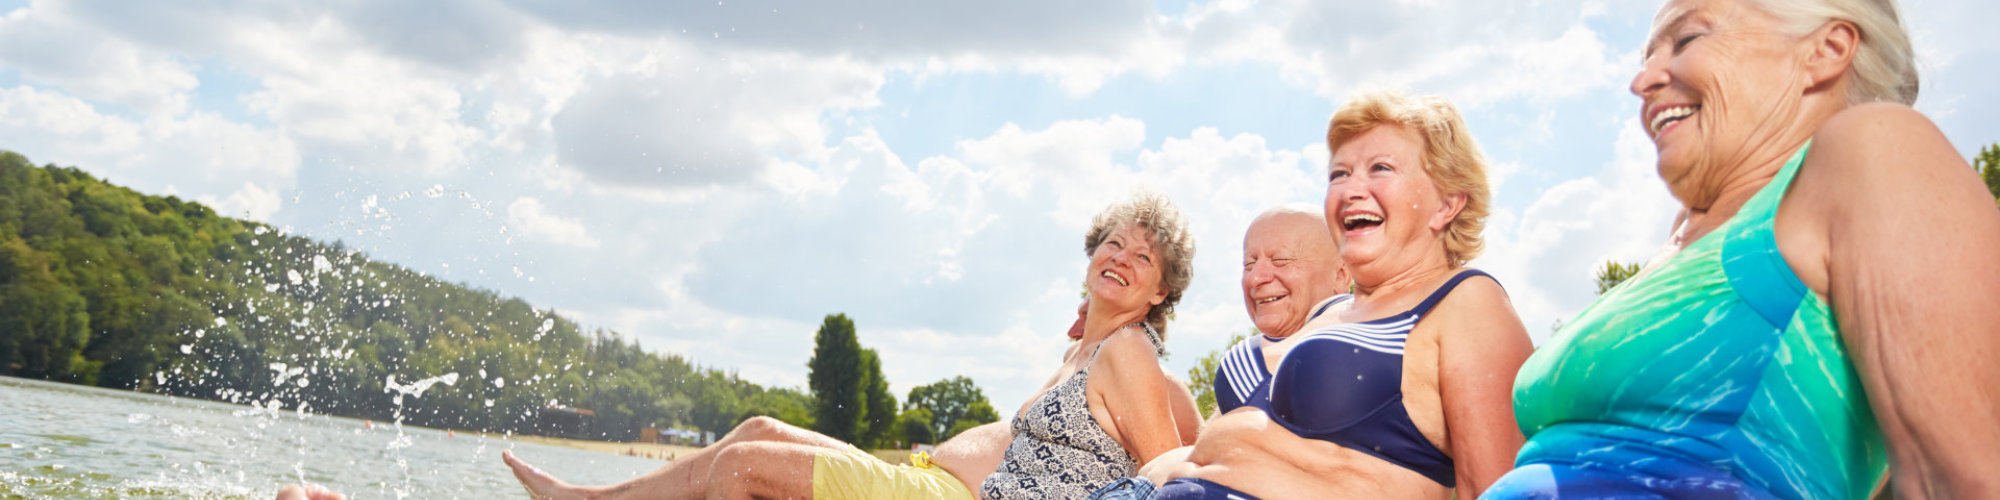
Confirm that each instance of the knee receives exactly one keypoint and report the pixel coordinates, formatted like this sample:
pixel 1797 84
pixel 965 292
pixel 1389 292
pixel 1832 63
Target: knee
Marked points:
pixel 762 428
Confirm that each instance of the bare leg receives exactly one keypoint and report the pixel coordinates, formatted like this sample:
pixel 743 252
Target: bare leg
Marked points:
pixel 688 477
pixel 763 470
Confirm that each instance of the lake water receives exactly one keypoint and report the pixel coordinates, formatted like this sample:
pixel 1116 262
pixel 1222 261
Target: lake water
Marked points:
pixel 68 441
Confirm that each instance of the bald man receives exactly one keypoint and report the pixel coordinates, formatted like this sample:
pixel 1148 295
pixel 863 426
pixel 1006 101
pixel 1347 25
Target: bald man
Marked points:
pixel 1291 273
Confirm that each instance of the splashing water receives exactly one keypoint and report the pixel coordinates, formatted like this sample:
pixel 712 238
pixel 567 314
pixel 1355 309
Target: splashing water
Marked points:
pixel 416 389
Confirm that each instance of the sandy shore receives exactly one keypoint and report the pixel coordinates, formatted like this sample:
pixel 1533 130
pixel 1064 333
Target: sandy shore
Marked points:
pixel 644 450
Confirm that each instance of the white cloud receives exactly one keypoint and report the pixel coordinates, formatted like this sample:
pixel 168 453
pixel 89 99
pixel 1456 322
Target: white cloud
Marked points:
pixel 1475 52
pixel 874 29
pixel 1547 254
pixel 681 117
pixel 49 47
pixel 352 105
pixel 249 202
pixel 529 217
pixel 238 167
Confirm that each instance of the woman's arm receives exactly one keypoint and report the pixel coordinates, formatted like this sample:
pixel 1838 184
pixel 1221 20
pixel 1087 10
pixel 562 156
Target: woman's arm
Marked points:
pixel 1187 417
pixel 1127 380
pixel 1912 270
pixel 1481 345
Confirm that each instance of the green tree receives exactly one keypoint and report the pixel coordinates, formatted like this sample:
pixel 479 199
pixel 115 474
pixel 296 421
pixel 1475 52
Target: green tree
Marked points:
pixel 914 424
pixel 787 405
pixel 836 379
pixel 949 401
pixel 1201 376
pixel 1987 162
pixel 1613 273
pixel 980 413
pixel 880 418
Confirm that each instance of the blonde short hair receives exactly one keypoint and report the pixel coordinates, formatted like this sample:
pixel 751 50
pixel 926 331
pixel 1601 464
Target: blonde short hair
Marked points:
pixel 1171 239
pixel 1451 158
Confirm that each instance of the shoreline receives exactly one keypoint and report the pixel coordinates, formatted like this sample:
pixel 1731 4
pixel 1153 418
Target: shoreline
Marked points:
pixel 654 451
pixel 662 452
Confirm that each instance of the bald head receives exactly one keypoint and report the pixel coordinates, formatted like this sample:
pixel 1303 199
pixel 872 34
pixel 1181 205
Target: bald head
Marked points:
pixel 1290 263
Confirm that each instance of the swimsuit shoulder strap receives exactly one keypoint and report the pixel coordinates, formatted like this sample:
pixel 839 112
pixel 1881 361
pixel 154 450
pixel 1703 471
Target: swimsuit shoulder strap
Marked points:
pixel 1442 291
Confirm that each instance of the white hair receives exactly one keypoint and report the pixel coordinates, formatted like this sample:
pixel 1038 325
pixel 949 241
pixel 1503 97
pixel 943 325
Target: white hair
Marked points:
pixel 1884 67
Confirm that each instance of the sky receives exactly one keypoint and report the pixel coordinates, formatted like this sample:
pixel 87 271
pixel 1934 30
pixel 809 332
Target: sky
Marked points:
pixel 713 179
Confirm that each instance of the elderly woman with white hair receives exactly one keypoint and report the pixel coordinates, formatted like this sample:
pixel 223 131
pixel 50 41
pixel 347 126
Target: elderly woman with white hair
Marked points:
pixel 1823 313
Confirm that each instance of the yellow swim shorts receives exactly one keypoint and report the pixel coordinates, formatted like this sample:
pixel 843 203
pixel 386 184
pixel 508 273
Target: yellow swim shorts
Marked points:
pixel 852 473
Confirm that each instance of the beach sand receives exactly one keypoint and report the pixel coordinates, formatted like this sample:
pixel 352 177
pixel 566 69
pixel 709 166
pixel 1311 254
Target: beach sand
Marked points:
pixel 643 450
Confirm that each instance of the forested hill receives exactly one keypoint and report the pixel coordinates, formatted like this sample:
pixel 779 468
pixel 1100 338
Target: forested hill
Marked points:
pixel 102 285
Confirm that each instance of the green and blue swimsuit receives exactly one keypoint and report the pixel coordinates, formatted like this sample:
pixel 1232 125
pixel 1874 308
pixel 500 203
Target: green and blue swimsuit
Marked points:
pixel 1715 374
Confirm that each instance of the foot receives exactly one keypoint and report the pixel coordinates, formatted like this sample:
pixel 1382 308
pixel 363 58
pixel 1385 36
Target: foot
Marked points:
pixel 541 485
pixel 308 492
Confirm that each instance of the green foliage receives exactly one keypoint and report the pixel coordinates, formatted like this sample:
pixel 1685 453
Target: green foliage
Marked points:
pixel 914 426
pixel 837 380
pixel 102 285
pixel 1201 376
pixel 879 419
pixel 1613 273
pixel 948 401
pixel 980 413
pixel 1988 165
pixel 790 406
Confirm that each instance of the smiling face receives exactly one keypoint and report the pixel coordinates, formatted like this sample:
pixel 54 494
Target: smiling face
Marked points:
pixel 1721 84
pixel 1125 272
pixel 1289 264
pixel 1382 207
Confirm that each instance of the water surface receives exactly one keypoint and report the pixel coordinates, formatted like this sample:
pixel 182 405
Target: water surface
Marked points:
pixel 69 441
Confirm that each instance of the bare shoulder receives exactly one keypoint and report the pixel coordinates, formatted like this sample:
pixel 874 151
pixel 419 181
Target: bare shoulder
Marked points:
pixel 1872 161
pixel 1475 298
pixel 1876 122
pixel 1881 141
pixel 1478 314
pixel 1126 350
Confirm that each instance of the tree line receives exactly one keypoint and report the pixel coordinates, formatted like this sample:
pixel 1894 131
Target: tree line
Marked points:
pixel 101 285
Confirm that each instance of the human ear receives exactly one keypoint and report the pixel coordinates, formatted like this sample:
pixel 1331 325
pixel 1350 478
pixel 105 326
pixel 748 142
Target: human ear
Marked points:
pixel 1448 210
pixel 1832 52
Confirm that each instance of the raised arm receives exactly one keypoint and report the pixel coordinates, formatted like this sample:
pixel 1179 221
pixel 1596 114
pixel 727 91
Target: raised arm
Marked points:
pixel 1481 346
pixel 1127 380
pixel 1912 270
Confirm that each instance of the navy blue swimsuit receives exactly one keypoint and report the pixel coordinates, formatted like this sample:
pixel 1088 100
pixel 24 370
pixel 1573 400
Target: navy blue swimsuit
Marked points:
pixel 1344 384
pixel 1242 371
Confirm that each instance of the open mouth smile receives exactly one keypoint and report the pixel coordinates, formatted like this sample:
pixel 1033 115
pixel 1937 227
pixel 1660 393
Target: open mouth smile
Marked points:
pixel 1670 115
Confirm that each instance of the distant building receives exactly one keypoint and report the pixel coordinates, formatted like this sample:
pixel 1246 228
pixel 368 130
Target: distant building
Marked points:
pixel 564 422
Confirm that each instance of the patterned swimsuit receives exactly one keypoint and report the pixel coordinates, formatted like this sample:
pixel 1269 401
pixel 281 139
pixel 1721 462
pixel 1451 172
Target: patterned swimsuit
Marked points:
pixel 1059 451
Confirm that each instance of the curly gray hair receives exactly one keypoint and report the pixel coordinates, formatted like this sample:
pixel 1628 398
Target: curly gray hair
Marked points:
pixel 1171 238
